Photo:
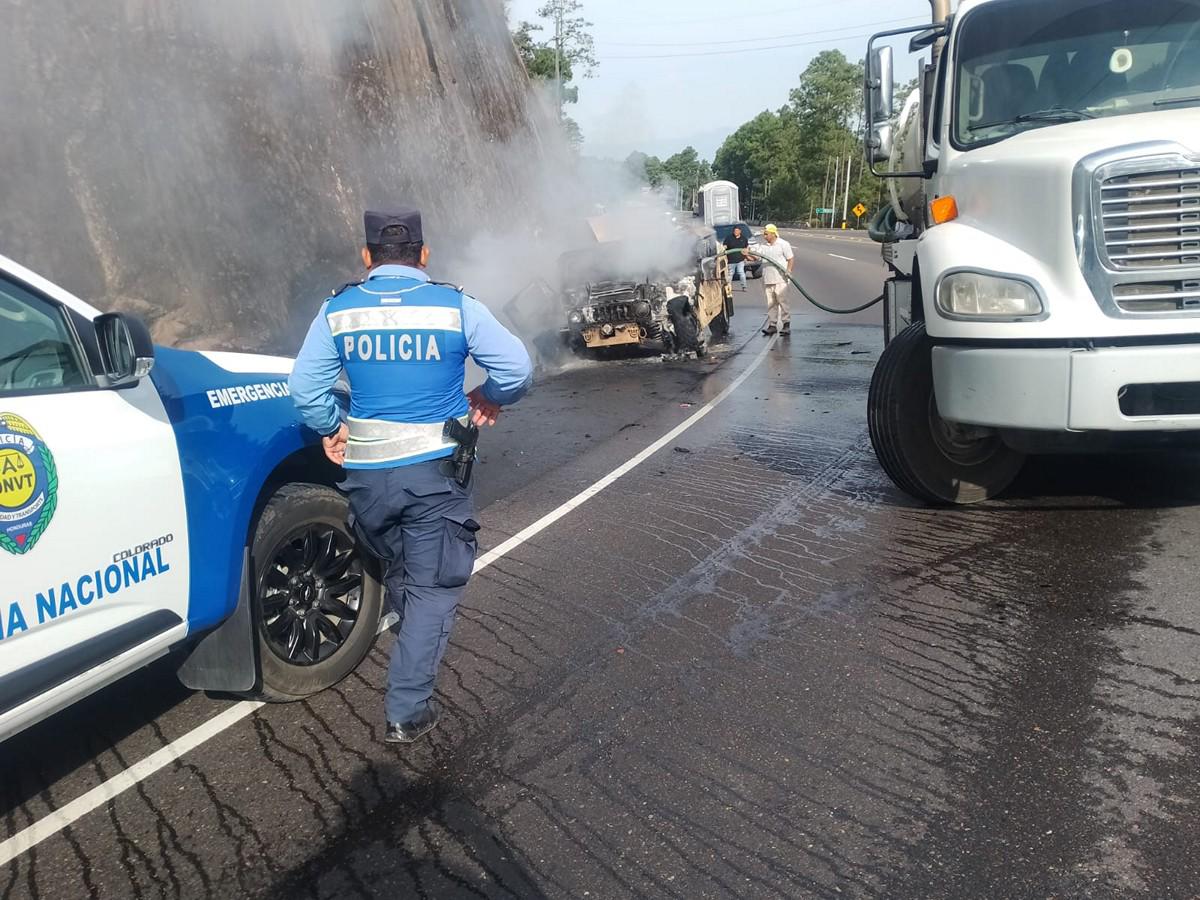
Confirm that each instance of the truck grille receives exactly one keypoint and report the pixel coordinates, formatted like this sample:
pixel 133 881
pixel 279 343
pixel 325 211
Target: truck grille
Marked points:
pixel 1154 296
pixel 613 301
pixel 614 312
pixel 1152 221
pixel 1141 253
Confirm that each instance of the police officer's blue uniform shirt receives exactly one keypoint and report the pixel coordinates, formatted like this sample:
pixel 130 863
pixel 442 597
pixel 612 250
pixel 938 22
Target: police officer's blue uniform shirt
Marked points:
pixel 403 343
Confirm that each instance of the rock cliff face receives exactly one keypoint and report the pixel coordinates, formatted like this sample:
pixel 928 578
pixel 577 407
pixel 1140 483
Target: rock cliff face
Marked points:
pixel 204 163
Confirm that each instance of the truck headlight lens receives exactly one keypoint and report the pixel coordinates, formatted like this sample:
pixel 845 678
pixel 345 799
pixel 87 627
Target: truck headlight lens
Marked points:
pixel 987 296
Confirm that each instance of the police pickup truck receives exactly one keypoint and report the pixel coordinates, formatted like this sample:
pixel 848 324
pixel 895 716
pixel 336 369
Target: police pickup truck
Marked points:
pixel 157 501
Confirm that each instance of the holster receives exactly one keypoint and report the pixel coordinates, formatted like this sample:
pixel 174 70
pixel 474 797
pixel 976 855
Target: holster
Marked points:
pixel 463 460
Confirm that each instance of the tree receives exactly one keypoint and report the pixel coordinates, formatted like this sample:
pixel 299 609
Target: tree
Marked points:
pixel 782 161
pixel 830 92
pixel 755 152
pixel 573 133
pixel 682 167
pixel 903 90
pixel 653 171
pixel 556 60
pixel 572 44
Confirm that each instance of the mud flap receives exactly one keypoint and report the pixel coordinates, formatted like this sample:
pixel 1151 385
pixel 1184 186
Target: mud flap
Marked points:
pixel 226 659
pixel 897 307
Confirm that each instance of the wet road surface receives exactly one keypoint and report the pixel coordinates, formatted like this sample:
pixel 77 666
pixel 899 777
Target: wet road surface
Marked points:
pixel 747 668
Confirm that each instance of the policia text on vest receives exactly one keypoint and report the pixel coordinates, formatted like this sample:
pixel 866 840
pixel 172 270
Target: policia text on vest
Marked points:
pixel 403 341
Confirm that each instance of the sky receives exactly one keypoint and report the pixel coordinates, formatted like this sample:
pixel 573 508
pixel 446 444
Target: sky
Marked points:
pixel 678 72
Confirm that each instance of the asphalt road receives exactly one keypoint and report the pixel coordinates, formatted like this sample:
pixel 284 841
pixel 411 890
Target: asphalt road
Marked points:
pixel 748 667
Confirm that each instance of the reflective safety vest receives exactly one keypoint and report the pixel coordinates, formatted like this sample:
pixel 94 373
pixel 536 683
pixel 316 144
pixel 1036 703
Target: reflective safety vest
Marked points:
pixel 403 349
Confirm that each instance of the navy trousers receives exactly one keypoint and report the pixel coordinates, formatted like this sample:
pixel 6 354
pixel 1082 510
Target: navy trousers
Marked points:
pixel 421 525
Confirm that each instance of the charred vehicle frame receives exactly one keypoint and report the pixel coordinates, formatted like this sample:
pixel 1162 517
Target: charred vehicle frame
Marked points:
pixel 606 306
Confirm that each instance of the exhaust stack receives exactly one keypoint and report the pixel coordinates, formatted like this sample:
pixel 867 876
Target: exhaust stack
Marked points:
pixel 941 10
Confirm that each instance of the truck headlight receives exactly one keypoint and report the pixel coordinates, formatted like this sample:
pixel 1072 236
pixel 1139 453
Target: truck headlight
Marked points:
pixel 974 294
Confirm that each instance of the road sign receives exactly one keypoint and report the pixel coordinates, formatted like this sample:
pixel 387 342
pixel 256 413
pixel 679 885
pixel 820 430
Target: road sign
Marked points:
pixel 823 212
pixel 859 209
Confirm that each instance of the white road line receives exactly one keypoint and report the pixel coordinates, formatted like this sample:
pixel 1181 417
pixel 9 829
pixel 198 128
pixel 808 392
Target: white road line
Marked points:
pixel 66 815
pixel 122 781
pixel 588 493
pixel 837 256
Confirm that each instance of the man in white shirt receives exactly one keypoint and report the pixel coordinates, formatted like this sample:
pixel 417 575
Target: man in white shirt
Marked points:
pixel 776 249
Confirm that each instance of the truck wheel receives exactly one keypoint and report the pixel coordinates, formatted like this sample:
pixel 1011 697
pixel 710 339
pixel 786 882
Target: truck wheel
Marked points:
pixel 927 457
pixel 719 327
pixel 687 329
pixel 319 599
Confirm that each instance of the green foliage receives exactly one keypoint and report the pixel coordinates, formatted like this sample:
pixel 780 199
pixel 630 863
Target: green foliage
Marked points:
pixel 685 169
pixel 646 169
pixel 568 48
pixel 759 151
pixel 537 56
pixel 573 132
pixel 571 33
pixel 781 160
pixel 903 90
pixel 830 91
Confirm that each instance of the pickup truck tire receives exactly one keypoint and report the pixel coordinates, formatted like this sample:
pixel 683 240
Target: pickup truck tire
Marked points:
pixel 928 458
pixel 719 326
pixel 318 599
pixel 687 326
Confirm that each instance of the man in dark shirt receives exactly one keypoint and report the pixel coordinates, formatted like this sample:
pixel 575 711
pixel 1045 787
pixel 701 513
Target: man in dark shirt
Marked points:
pixel 737 241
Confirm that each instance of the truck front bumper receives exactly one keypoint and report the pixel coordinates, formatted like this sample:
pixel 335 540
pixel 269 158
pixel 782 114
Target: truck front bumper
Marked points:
pixel 1066 389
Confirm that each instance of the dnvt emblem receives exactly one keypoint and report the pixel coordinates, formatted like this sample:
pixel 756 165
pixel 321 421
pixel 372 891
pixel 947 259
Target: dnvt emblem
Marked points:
pixel 28 485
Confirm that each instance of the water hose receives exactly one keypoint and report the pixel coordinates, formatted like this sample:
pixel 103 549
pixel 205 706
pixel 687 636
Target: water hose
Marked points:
pixel 807 296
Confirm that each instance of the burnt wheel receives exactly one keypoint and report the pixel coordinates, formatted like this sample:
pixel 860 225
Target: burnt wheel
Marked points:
pixel 687 327
pixel 927 457
pixel 318 598
pixel 720 325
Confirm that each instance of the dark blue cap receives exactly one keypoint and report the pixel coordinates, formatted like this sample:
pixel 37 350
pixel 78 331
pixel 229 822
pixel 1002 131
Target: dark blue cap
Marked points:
pixel 407 222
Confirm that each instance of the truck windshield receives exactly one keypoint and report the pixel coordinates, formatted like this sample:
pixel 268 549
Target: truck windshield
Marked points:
pixel 1023 64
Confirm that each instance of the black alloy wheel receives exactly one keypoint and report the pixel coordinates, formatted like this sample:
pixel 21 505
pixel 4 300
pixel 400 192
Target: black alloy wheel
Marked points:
pixel 310 594
pixel 319 596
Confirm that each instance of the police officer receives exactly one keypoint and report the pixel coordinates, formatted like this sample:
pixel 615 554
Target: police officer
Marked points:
pixel 403 341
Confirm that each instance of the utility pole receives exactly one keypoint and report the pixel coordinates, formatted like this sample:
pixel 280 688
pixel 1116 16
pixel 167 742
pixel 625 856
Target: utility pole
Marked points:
pixel 825 189
pixel 846 205
pixel 558 23
pixel 837 171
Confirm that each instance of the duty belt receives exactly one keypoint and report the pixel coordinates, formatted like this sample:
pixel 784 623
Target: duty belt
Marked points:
pixel 378 441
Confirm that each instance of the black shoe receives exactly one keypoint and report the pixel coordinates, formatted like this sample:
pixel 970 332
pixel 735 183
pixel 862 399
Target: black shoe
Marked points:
pixel 769 330
pixel 407 732
pixel 786 330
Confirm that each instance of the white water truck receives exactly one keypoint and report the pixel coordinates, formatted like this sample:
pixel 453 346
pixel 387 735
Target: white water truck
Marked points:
pixel 1043 239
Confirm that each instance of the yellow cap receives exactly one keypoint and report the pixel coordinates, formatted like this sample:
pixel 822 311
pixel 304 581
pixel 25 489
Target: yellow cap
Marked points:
pixel 771 229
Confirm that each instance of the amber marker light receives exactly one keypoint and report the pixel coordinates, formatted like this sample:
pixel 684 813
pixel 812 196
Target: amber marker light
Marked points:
pixel 943 209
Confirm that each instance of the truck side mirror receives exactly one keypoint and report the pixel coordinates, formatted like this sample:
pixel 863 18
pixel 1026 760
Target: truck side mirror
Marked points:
pixel 879 143
pixel 126 349
pixel 879 103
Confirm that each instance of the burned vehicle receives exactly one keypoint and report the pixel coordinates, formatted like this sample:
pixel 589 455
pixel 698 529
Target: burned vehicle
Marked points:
pixel 636 294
